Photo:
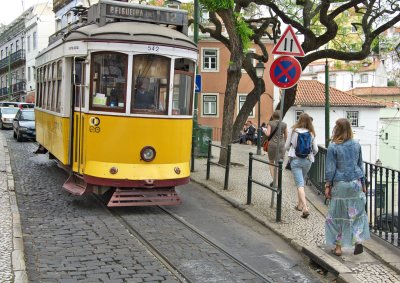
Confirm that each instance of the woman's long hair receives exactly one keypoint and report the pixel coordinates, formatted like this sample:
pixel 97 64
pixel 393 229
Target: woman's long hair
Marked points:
pixel 342 131
pixel 304 122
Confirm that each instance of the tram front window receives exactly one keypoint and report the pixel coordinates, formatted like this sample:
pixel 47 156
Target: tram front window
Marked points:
pixel 150 84
pixel 109 80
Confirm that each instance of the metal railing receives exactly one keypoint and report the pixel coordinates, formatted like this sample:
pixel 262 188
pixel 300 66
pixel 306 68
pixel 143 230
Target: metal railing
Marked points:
pixel 316 175
pixel 226 166
pixel 15 57
pixel 277 190
pixel 382 197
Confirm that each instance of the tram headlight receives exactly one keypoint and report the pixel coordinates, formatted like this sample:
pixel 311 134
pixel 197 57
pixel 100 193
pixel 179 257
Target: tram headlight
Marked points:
pixel 148 153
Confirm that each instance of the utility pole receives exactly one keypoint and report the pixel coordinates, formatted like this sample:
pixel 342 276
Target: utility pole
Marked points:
pixel 9 76
pixel 326 103
pixel 196 40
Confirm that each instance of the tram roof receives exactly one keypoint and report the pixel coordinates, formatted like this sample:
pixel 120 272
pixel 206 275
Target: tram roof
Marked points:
pixel 132 32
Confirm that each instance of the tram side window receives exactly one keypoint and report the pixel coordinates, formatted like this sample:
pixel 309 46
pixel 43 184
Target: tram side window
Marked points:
pixel 79 82
pixel 49 85
pixel 150 84
pixel 109 80
pixel 38 83
pixel 44 87
pixel 54 87
pixel 59 76
pixel 183 87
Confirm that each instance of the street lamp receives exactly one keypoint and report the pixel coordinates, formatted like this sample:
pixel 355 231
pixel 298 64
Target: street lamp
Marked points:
pixel 260 74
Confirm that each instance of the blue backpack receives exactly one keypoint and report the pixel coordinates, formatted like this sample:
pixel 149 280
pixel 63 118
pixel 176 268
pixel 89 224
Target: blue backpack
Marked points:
pixel 303 147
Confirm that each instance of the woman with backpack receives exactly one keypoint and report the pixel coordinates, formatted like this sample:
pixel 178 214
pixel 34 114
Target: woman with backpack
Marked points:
pixel 346 224
pixel 302 147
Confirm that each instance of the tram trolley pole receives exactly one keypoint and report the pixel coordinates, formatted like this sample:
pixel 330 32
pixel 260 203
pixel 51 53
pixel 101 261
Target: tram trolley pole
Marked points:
pixel 277 189
pixel 226 166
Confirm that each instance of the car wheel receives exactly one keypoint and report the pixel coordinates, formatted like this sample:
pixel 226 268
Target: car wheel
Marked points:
pixel 19 138
pixel 14 135
pixel 1 125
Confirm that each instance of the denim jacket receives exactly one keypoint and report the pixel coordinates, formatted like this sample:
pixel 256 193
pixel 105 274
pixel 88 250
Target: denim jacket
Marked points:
pixel 344 162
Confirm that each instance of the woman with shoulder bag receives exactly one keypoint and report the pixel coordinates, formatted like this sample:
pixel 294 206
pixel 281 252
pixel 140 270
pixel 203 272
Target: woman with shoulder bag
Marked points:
pixel 346 223
pixel 272 134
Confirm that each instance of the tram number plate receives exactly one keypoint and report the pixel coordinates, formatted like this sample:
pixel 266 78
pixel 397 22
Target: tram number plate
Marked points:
pixel 153 48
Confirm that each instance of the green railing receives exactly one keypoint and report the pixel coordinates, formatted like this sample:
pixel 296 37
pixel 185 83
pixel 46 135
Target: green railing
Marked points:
pixel 316 175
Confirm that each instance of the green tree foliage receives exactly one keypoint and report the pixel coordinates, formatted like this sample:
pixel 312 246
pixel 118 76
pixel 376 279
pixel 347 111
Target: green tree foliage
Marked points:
pixel 339 30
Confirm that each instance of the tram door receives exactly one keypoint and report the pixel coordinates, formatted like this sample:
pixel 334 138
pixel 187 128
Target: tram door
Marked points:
pixel 78 77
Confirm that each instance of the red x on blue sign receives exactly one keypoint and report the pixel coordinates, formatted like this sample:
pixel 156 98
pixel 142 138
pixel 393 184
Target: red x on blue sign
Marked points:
pixel 285 71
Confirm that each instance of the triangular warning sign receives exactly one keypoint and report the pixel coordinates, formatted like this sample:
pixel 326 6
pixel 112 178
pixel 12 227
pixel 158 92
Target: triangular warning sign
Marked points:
pixel 288 44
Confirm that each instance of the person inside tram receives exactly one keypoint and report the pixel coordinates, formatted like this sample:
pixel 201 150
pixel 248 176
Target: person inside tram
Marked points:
pixel 144 97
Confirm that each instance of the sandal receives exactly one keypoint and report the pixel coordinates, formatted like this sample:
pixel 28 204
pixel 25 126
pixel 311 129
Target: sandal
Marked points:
pixel 305 214
pixel 336 253
pixel 297 208
pixel 358 249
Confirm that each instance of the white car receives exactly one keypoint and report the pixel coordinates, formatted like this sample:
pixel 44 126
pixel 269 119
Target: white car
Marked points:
pixel 7 115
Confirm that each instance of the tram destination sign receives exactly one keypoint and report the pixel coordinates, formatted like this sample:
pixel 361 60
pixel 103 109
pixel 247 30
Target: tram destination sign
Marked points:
pixel 159 16
pixel 135 12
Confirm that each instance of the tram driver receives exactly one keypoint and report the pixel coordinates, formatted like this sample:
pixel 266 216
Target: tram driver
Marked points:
pixel 144 97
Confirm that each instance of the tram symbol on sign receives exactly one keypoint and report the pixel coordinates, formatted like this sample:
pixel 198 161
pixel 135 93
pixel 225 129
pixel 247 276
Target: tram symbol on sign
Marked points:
pixel 285 71
pixel 288 44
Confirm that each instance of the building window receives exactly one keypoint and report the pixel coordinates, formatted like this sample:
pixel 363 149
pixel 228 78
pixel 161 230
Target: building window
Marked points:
pixel 332 80
pixel 386 136
pixel 69 18
pixel 297 114
pixel 29 74
pixel 209 105
pixel 11 48
pixel 58 24
pixel 242 99
pixel 16 45
pixel 364 78
pixel 210 60
pixel 352 116
pixel 1 54
pixel 28 39
pixel 34 38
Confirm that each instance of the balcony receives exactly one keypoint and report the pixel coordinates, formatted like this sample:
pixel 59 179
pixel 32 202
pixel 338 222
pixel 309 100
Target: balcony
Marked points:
pixel 14 59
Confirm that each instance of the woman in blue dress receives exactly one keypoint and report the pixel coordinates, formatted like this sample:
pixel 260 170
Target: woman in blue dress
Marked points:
pixel 346 224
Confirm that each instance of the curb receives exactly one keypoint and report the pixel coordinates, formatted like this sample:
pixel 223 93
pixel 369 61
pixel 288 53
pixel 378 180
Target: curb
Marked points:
pixel 18 265
pixel 317 255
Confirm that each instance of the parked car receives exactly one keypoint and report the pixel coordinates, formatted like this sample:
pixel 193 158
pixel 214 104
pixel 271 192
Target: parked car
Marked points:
pixel 24 124
pixel 7 115
pixel 16 104
pixel 391 218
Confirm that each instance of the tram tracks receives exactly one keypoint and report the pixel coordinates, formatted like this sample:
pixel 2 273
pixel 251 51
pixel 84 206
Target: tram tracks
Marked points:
pixel 213 263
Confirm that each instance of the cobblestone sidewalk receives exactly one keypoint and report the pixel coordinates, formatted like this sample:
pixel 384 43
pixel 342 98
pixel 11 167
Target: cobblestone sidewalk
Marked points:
pixel 307 235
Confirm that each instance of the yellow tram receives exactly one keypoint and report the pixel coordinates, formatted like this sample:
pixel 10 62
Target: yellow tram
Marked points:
pixel 114 103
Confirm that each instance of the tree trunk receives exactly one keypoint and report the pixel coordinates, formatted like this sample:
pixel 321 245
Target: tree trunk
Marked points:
pixel 234 75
